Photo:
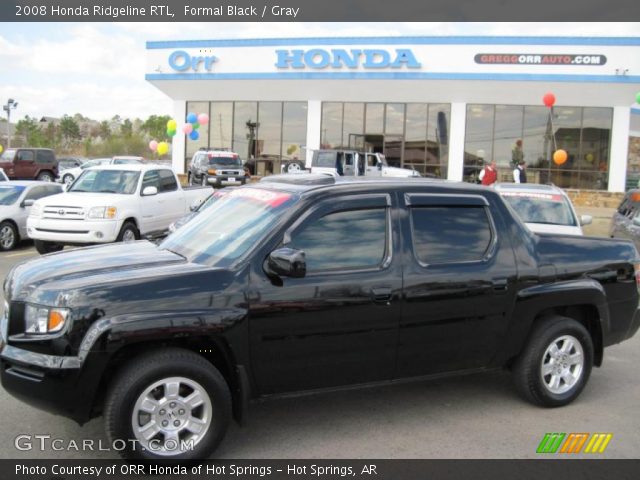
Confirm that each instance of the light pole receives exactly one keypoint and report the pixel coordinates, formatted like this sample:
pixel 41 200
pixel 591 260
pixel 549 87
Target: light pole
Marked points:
pixel 11 104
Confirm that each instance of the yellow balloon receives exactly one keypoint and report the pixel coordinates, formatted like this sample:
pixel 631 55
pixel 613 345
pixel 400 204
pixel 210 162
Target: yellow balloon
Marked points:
pixel 1 148
pixel 172 125
pixel 163 147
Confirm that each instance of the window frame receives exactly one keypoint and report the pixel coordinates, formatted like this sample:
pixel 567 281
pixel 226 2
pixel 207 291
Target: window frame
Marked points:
pixel 422 200
pixel 344 204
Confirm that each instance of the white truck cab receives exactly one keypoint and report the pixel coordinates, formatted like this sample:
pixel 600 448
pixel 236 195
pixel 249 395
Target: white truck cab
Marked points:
pixel 351 163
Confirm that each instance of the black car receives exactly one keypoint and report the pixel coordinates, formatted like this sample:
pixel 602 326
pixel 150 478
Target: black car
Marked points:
pixel 305 283
pixel 217 168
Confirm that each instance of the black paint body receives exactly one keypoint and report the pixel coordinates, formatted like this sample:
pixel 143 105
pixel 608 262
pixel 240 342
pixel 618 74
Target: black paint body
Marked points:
pixel 404 319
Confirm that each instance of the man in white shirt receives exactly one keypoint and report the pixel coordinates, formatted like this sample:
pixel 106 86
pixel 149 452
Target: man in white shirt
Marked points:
pixel 519 173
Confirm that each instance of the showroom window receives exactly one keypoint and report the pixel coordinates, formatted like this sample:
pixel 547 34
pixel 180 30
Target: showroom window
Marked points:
pixel 510 133
pixel 450 234
pixel 328 243
pixel 410 135
pixel 633 163
pixel 269 131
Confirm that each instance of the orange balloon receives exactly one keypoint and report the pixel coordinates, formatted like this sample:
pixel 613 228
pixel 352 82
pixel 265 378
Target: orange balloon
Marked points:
pixel 559 157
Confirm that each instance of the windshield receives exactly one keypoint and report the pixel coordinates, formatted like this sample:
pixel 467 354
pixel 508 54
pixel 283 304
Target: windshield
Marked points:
pixel 549 208
pixel 91 163
pixel 9 194
pixel 325 159
pixel 225 161
pixel 232 225
pixel 8 155
pixel 107 181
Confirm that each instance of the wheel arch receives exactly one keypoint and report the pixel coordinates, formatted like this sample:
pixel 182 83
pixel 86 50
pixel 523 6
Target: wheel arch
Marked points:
pixel 214 349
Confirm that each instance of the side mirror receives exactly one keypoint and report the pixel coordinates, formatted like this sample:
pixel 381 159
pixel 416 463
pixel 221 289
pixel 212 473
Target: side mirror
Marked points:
pixel 148 191
pixel 194 206
pixel 586 219
pixel 28 203
pixel 287 262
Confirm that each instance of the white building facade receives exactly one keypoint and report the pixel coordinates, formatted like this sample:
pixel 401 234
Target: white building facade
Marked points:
pixel 441 105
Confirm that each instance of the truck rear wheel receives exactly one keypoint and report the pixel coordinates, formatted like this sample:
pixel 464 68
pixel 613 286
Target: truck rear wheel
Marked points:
pixel 168 404
pixel 47 247
pixel 555 364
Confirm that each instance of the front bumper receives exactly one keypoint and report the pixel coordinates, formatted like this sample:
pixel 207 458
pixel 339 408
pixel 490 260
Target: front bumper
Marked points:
pixel 72 232
pixel 47 382
pixel 221 180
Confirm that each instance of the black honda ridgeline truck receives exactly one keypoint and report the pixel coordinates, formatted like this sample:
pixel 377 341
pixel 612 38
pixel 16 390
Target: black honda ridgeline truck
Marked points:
pixel 305 282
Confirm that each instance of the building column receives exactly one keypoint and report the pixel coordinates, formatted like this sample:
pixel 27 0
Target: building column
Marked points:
pixel 178 141
pixel 314 118
pixel 456 140
pixel 619 152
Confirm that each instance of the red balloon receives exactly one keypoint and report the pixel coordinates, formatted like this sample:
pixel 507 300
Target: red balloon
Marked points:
pixel 549 99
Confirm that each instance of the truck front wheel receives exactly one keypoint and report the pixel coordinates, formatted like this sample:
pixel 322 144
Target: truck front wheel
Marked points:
pixel 47 247
pixel 168 404
pixel 555 364
pixel 128 233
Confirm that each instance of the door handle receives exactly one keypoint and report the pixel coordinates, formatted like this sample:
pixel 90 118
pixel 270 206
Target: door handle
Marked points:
pixel 500 284
pixel 381 295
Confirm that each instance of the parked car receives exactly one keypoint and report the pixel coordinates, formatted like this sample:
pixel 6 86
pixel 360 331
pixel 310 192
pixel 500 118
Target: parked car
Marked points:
pixel 29 164
pixel 217 168
pixel 16 199
pixel 111 203
pixel 198 207
pixel 351 163
pixel 65 163
pixel 68 176
pixel 309 282
pixel 544 208
pixel 625 222
pixel 269 164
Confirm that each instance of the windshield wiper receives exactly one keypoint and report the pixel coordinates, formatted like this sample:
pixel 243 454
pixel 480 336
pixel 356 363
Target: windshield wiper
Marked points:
pixel 78 190
pixel 175 253
pixel 107 191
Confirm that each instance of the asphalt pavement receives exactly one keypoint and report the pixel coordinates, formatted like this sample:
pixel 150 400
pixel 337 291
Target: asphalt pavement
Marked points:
pixel 474 416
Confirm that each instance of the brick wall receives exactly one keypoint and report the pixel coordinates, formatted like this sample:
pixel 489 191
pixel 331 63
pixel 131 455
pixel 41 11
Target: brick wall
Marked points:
pixel 594 198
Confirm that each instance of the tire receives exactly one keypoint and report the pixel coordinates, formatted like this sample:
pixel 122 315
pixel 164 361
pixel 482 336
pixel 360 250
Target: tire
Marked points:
pixel 145 380
pixel 293 166
pixel 9 236
pixel 67 179
pixel 47 247
pixel 539 364
pixel 128 233
pixel 189 179
pixel 46 176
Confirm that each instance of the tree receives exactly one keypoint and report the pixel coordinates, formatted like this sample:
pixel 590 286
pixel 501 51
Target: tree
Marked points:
pixel 126 129
pixel 156 126
pixel 29 129
pixel 69 130
pixel 105 130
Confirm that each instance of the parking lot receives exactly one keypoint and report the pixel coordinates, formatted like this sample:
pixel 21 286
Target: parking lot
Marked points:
pixel 478 416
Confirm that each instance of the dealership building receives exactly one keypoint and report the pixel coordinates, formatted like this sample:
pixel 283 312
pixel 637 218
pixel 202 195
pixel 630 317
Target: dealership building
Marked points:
pixel 441 105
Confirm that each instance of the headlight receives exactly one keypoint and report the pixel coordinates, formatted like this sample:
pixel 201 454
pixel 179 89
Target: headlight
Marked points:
pixel 102 212
pixel 36 210
pixel 44 319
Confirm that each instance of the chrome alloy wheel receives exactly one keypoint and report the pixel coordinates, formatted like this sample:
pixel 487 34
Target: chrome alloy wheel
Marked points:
pixel 129 236
pixel 7 237
pixel 562 364
pixel 171 413
pixel 293 168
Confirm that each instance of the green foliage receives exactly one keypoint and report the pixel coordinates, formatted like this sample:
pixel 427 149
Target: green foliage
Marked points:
pixel 29 128
pixel 156 126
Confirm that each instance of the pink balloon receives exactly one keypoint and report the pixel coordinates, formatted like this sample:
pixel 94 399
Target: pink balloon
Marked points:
pixel 187 128
pixel 153 145
pixel 203 119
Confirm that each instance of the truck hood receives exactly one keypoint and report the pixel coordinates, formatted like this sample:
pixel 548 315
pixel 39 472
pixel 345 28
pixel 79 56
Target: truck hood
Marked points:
pixel 53 279
pixel 84 200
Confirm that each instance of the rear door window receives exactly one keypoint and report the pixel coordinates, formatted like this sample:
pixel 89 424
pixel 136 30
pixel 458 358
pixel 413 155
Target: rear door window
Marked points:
pixel 45 156
pixel 167 181
pixel 450 234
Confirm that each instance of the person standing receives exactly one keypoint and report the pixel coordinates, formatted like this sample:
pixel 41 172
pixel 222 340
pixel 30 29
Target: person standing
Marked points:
pixel 489 174
pixel 519 173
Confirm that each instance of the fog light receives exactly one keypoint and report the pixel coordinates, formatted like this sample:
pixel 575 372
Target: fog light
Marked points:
pixel 99 234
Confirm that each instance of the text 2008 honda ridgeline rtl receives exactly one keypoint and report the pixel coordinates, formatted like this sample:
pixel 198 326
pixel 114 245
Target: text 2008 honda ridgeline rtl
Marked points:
pixel 302 283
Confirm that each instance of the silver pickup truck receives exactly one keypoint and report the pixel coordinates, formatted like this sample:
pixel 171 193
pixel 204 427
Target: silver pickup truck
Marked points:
pixel 351 163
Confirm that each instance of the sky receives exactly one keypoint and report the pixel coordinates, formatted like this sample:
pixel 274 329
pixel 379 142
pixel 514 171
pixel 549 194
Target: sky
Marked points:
pixel 97 69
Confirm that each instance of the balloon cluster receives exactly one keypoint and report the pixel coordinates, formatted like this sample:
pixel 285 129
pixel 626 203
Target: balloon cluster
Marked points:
pixel 193 124
pixel 172 127
pixel 161 148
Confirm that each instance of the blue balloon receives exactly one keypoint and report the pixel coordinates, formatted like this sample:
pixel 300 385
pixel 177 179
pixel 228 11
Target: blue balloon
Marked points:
pixel 192 118
pixel 194 135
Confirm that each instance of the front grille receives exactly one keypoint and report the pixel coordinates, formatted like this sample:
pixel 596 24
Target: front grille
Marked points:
pixel 231 172
pixel 48 230
pixel 62 212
